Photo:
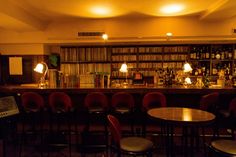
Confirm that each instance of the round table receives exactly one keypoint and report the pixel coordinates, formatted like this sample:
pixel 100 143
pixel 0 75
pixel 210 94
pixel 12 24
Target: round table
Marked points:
pixel 180 116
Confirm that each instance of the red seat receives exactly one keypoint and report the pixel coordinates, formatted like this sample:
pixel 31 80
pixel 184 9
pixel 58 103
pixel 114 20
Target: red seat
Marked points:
pixel 60 102
pixel 209 102
pixel 127 145
pixel 95 134
pixel 32 120
pixel 122 104
pixel 226 147
pixel 59 137
pixel 152 100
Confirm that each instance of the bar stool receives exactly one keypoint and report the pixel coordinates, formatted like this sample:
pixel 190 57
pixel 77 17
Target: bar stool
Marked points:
pixel 226 147
pixel 210 102
pixel 152 100
pixel 135 146
pixel 95 134
pixel 31 124
pixel 227 118
pixel 59 136
pixel 122 104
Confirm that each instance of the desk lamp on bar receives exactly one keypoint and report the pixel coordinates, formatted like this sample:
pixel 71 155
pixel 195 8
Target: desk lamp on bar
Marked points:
pixel 124 69
pixel 42 68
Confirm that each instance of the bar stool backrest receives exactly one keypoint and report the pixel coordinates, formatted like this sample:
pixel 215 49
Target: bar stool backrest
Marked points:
pixel 96 100
pixel 32 102
pixel 154 99
pixel 60 102
pixel 209 102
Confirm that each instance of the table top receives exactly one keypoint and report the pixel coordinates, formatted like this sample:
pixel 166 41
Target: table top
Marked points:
pixel 181 115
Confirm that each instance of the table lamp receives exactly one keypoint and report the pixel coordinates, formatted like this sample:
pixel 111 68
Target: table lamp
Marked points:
pixel 187 69
pixel 42 68
pixel 124 69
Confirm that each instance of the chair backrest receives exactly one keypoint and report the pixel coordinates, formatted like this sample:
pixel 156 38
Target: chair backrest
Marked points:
pixel 60 102
pixel 209 102
pixel 32 102
pixel 232 107
pixel 122 99
pixel 115 129
pixel 96 99
pixel 154 99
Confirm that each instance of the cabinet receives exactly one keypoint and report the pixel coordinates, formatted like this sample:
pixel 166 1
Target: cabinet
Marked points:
pixel 210 59
pixel 206 59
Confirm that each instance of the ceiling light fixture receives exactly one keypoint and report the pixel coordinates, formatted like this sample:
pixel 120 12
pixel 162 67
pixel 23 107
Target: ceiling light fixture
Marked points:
pixel 100 10
pixel 173 8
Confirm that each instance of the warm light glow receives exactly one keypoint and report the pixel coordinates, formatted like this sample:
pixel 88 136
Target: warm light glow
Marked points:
pixel 187 67
pixel 187 80
pixel 100 10
pixel 39 68
pixel 124 68
pixel 169 34
pixel 170 9
pixel 42 68
pixel 187 115
pixel 105 36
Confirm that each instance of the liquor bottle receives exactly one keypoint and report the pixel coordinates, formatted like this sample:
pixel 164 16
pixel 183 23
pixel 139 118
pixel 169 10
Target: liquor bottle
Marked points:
pixel 217 55
pixel 222 54
pixel 230 53
pixel 213 54
pixel 207 53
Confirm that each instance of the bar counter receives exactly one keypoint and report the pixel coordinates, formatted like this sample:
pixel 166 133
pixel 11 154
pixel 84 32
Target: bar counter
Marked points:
pixel 176 95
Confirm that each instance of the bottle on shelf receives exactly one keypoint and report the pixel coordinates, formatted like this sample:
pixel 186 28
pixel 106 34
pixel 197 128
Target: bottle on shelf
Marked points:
pixel 213 54
pixel 217 54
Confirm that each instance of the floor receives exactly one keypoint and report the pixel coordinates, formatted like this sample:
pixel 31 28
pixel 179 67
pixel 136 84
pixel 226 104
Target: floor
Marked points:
pixel 12 148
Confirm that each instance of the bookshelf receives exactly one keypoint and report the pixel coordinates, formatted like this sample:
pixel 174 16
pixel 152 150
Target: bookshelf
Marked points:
pixel 145 58
pixel 78 61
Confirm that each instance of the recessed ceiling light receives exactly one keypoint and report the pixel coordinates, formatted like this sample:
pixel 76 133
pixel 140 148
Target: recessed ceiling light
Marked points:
pixel 169 34
pixel 170 9
pixel 100 10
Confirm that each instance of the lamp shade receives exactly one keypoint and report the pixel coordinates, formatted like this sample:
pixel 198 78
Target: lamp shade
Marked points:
pixel 187 67
pixel 124 68
pixel 39 68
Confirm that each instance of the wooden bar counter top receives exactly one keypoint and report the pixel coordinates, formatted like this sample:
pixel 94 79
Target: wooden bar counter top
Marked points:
pixel 182 96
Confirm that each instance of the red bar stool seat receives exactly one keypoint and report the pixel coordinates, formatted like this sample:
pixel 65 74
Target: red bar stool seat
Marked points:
pixel 31 131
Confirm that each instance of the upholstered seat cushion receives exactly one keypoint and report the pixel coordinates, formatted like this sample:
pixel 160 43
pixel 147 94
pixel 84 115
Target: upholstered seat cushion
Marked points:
pixel 122 110
pixel 226 146
pixel 135 144
pixel 97 109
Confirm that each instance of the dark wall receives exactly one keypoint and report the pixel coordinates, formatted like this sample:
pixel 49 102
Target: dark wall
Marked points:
pixel 29 76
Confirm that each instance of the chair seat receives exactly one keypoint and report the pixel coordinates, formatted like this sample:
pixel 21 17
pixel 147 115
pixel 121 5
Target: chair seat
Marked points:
pixel 135 144
pixel 226 146
pixel 122 110
pixel 96 110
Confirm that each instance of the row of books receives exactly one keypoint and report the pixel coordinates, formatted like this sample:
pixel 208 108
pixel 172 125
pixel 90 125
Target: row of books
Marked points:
pixel 150 49
pixel 149 57
pixel 77 54
pixel 176 49
pixel 175 57
pixel 124 58
pixel 173 65
pixel 76 69
pixel 124 50
pixel 150 65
